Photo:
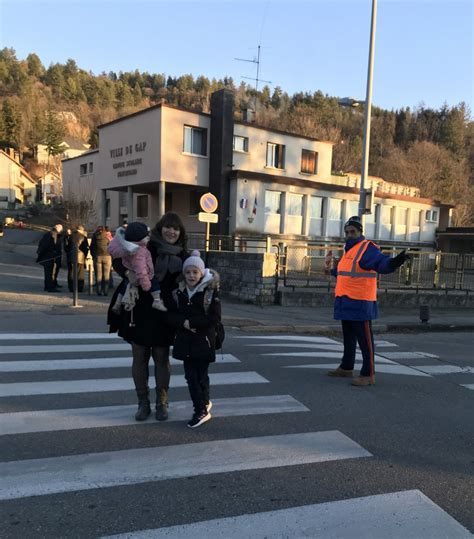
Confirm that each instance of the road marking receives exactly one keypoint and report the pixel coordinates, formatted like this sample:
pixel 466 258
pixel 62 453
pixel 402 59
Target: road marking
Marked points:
pixel 408 515
pixel 88 363
pixel 386 369
pixel 325 355
pixel 444 369
pixel 330 347
pixel 55 336
pixel 61 387
pixel 62 348
pixel 468 386
pixel 289 338
pixel 43 476
pixel 406 355
pixel 386 344
pixel 114 416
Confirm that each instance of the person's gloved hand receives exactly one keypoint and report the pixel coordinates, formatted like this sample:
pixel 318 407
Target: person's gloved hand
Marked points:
pixel 399 260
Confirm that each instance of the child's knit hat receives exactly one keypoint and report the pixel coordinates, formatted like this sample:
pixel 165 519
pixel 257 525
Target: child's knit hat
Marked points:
pixel 194 260
pixel 136 231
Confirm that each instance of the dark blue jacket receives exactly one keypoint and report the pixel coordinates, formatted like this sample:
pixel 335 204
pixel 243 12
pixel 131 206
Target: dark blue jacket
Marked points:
pixel 355 309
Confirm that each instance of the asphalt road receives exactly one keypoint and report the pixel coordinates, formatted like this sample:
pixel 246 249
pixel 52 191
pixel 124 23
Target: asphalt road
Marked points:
pixel 283 436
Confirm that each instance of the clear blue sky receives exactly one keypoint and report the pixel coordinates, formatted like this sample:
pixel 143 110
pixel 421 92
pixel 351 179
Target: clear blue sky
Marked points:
pixel 423 53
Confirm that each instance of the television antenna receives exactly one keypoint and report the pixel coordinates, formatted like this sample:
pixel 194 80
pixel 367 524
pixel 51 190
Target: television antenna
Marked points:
pixel 255 61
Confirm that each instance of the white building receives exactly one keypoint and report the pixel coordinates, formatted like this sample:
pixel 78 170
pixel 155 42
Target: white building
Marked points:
pixel 267 182
pixel 17 187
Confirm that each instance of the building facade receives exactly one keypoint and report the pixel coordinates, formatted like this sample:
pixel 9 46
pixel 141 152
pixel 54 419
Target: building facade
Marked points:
pixel 267 182
pixel 17 187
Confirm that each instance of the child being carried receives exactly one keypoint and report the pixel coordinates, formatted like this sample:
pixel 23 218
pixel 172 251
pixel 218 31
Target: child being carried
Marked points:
pixel 130 244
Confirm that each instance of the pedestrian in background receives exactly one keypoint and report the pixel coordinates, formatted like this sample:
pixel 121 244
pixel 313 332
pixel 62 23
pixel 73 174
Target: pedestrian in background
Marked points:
pixel 49 256
pixel 101 259
pixel 77 240
pixel 356 299
pixel 198 313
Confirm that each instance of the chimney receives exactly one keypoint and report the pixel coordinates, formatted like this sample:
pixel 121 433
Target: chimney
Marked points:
pixel 248 115
pixel 221 153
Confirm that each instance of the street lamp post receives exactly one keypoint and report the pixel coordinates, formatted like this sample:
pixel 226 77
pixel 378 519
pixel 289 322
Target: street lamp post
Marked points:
pixel 350 102
pixel 367 117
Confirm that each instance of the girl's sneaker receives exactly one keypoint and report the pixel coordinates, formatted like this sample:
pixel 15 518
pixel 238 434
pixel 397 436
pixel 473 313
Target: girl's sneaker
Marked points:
pixel 209 406
pixel 199 418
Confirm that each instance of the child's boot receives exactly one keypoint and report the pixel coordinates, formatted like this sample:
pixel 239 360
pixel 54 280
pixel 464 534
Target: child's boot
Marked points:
pixel 158 302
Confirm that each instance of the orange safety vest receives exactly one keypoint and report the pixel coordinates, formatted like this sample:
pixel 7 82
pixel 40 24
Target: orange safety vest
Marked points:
pixel 353 281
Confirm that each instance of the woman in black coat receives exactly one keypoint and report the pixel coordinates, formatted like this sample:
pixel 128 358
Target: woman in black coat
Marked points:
pixel 146 329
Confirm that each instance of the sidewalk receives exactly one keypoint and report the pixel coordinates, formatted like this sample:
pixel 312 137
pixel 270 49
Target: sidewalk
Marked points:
pixel 22 298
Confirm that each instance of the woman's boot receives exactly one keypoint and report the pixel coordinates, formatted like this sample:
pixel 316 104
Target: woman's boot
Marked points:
pixel 161 404
pixel 144 409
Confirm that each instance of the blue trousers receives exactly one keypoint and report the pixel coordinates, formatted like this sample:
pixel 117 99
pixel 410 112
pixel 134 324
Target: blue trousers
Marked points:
pixel 355 331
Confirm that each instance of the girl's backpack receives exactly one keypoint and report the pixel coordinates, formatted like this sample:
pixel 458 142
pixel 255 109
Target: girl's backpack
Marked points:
pixel 220 331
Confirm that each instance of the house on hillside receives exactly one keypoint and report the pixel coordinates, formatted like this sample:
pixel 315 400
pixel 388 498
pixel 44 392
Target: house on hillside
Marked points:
pixel 267 182
pixel 17 187
pixel 51 187
pixel 72 147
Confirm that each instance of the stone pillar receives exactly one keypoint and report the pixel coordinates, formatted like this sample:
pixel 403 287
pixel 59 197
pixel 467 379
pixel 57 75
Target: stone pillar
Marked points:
pixel 422 223
pixel 378 220
pixel 103 207
pixel 283 212
pixel 324 225
pixel 408 223
pixel 394 222
pixel 130 215
pixel 161 198
pixel 306 215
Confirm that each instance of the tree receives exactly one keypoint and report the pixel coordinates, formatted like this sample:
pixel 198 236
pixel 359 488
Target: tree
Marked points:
pixel 54 134
pixel 11 123
pixel 35 67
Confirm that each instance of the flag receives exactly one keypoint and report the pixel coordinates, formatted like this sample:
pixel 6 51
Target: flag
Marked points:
pixel 254 211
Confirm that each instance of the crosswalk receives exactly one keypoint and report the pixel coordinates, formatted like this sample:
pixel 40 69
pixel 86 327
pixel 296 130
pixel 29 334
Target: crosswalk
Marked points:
pixel 40 380
pixel 386 361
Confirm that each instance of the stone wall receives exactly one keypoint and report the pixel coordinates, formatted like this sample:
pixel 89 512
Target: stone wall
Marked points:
pixel 247 277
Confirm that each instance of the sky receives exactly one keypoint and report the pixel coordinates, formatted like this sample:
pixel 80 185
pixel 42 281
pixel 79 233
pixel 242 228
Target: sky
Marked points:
pixel 423 48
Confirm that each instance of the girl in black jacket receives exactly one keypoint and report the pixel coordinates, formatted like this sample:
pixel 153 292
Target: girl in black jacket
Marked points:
pixel 198 312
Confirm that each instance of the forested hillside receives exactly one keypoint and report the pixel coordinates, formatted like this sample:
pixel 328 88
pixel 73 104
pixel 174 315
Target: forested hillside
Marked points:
pixel 429 148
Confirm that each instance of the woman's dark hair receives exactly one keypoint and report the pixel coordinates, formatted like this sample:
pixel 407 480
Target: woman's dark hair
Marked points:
pixel 173 220
pixel 99 229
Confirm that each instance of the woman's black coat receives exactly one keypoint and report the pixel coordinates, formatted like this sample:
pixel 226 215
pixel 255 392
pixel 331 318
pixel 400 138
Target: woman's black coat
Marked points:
pixel 150 326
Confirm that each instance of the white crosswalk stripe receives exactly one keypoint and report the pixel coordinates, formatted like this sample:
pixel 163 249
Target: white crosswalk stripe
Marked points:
pixel 112 416
pixel 38 477
pixel 87 363
pixel 57 336
pixel 398 515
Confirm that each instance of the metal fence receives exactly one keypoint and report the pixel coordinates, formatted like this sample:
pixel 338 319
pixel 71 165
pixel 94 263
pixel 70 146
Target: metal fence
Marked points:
pixel 303 265
pixel 310 266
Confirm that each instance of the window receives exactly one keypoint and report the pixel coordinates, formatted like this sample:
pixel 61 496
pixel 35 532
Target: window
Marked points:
pixel 142 206
pixel 83 169
pixel 241 144
pixel 91 168
pixel 316 207
pixel 294 204
pixel 309 162
pixel 402 214
pixel 431 216
pixel 335 209
pixel 107 208
pixel 195 140
pixel 272 202
pixel 275 155
pixel 194 206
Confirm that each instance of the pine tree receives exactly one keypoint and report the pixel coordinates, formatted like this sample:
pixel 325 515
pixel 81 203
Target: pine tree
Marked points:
pixel 11 120
pixel 54 133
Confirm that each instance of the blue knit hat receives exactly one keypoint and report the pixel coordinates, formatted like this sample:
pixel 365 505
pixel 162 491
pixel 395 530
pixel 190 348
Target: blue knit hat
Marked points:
pixel 136 231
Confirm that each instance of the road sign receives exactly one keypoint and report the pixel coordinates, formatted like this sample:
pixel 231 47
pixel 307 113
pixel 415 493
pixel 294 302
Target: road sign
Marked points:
pixel 208 217
pixel 208 203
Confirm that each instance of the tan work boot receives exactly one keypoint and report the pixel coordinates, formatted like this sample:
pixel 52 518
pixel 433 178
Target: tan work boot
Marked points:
pixel 342 373
pixel 363 381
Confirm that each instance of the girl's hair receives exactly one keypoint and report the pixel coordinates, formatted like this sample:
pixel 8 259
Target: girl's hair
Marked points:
pixel 99 229
pixel 173 220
